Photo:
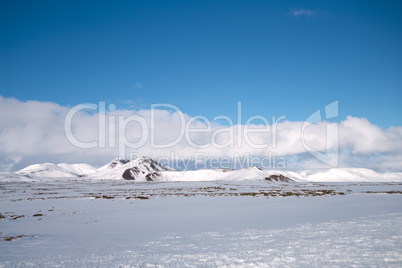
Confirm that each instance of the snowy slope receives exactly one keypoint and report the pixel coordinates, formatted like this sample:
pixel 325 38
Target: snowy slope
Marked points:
pixel 12 176
pixel 80 169
pixel 344 175
pixel 251 173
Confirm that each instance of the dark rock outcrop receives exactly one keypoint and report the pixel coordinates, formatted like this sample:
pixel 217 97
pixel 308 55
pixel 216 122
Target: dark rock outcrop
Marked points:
pixel 152 176
pixel 279 177
pixel 146 169
pixel 131 173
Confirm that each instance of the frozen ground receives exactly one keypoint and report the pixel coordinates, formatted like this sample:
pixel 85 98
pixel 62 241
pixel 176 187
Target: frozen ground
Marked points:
pixel 111 223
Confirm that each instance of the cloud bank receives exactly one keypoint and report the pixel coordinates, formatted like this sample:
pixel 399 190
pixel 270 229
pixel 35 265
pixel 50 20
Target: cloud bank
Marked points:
pixel 33 132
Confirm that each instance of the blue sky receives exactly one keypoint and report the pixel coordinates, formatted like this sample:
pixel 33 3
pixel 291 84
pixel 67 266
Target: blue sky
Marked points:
pixel 279 58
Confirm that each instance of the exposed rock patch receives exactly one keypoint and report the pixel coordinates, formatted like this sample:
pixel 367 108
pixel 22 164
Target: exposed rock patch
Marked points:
pixel 131 173
pixel 279 177
pixel 152 176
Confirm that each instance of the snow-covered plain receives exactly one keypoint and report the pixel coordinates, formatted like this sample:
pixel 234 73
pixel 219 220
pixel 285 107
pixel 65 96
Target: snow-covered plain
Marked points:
pixel 75 215
pixel 82 222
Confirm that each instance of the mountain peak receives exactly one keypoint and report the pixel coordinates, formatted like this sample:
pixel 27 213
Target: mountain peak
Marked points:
pixel 150 164
pixel 117 163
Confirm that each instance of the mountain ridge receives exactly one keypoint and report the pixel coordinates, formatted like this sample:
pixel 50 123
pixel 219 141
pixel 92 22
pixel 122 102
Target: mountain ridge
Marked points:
pixel 147 169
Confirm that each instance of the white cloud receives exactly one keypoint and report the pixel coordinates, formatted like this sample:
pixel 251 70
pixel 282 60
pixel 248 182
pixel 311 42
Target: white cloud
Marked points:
pixel 362 137
pixel 33 131
pixel 302 12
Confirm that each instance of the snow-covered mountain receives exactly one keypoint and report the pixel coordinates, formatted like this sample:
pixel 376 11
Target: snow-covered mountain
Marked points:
pixel 137 169
pixel 146 169
pixel 49 170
